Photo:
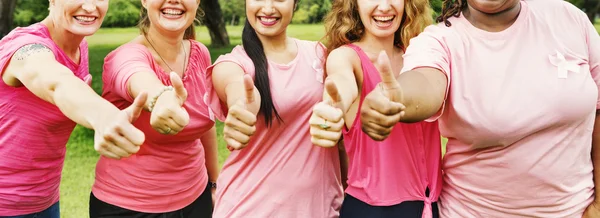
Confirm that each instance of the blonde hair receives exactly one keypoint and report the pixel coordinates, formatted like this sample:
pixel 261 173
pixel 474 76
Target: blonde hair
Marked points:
pixel 343 24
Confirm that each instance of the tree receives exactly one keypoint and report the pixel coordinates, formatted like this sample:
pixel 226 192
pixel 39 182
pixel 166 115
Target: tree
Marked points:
pixel 7 10
pixel 213 20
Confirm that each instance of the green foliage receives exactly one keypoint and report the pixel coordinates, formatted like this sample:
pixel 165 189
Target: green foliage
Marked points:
pixel 30 11
pixel 436 5
pixel 122 13
pixel 301 16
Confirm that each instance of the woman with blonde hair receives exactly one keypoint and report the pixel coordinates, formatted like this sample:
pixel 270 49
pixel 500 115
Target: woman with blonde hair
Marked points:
pixel 398 177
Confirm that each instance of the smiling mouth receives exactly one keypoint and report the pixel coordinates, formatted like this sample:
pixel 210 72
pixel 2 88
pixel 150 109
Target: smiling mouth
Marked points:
pixel 172 12
pixel 268 19
pixel 383 19
pixel 85 18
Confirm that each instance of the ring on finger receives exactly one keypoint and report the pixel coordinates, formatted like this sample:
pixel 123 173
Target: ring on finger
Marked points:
pixel 324 125
pixel 168 130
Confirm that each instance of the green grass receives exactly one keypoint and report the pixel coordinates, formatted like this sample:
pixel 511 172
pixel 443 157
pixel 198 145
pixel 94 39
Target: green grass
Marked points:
pixel 78 172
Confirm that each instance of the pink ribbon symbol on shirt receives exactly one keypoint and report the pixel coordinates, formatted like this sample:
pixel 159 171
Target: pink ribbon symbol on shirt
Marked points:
pixel 564 66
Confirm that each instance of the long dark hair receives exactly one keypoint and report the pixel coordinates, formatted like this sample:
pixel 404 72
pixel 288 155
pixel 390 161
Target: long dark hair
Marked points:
pixel 451 8
pixel 255 50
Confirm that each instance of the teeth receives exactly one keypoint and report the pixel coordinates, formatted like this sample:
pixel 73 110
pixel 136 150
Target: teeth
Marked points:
pixel 383 19
pixel 87 19
pixel 173 11
pixel 268 19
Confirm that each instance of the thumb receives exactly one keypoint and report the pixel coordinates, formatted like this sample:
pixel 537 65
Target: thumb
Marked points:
pixel 333 93
pixel 388 79
pixel 249 87
pixel 135 109
pixel 177 84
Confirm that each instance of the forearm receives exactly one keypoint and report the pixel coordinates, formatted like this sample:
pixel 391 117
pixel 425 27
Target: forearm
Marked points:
pixel 74 98
pixel 209 141
pixel 422 94
pixel 596 152
pixel 144 82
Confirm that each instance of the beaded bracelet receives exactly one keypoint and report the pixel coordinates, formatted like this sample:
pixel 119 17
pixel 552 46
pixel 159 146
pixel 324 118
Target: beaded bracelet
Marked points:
pixel 153 100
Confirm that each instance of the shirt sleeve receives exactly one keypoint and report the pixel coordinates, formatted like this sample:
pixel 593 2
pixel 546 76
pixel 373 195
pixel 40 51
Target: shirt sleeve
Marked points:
pixel 15 42
pixel 123 63
pixel 237 56
pixel 593 45
pixel 429 49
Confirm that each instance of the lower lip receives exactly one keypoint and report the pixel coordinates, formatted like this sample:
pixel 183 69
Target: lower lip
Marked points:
pixel 85 22
pixel 172 16
pixel 264 23
pixel 384 24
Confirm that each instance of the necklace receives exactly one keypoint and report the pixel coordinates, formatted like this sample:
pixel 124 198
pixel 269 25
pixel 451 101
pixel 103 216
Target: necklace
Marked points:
pixel 184 55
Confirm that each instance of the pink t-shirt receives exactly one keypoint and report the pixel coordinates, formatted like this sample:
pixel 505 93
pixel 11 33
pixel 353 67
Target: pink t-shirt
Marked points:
pixel 399 168
pixel 33 132
pixel 169 172
pixel 519 112
pixel 281 173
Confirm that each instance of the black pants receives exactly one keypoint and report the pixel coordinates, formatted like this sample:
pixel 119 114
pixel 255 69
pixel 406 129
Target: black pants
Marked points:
pixel 354 208
pixel 200 208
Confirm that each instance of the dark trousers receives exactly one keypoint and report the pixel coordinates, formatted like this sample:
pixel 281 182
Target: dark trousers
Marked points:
pixel 201 208
pixel 52 212
pixel 354 208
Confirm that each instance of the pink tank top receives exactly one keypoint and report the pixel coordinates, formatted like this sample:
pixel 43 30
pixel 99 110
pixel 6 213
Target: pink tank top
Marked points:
pixel 400 168
pixel 33 132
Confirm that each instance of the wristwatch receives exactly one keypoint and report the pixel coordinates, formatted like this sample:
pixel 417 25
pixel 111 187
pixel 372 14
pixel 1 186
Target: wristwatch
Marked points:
pixel 212 184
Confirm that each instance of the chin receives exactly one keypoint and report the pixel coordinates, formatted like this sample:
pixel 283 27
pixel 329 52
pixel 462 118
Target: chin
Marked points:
pixel 84 31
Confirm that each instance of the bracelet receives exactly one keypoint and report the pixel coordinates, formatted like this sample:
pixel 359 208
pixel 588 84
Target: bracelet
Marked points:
pixel 212 184
pixel 153 100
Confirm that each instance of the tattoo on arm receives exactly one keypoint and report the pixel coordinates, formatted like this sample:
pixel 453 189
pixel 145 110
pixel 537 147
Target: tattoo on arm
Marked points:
pixel 30 49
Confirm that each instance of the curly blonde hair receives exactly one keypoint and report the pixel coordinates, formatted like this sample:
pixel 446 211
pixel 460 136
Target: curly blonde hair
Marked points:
pixel 343 24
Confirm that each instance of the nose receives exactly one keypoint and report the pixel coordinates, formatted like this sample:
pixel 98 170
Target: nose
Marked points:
pixel 173 1
pixel 89 5
pixel 268 9
pixel 385 5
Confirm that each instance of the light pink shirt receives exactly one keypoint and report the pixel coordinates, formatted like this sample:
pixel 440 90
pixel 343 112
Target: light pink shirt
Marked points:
pixel 169 172
pixel 33 132
pixel 281 173
pixel 519 112
pixel 399 168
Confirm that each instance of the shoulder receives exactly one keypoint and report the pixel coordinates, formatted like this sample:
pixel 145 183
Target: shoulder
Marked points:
pixel 342 57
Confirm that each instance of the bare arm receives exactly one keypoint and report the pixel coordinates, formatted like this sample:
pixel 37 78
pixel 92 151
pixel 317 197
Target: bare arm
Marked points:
pixel 228 80
pixel 344 161
pixel 209 141
pixel 423 92
pixel 340 65
pixel 35 67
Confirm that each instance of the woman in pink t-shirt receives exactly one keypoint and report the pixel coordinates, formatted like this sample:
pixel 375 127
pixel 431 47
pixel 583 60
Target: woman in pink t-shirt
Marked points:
pixel 174 172
pixel 515 86
pixel 273 170
pixel 45 91
pixel 399 176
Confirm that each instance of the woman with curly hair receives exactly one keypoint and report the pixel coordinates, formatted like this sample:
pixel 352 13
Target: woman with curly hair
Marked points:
pixel 515 87
pixel 398 177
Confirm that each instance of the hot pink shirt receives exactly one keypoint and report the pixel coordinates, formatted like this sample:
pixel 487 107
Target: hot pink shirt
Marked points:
pixel 399 168
pixel 519 113
pixel 169 172
pixel 281 173
pixel 33 132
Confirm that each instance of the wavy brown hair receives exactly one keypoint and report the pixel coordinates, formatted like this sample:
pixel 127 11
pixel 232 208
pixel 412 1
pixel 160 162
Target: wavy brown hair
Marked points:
pixel 343 24
pixel 451 8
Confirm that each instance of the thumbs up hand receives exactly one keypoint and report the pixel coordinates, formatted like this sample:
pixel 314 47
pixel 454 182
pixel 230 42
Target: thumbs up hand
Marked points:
pixel 327 119
pixel 117 138
pixel 240 123
pixel 168 115
pixel 382 108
